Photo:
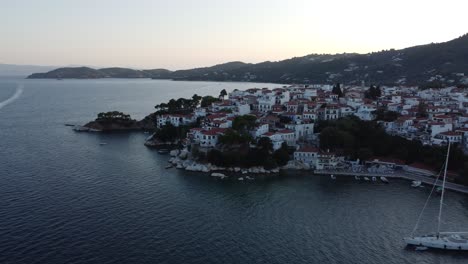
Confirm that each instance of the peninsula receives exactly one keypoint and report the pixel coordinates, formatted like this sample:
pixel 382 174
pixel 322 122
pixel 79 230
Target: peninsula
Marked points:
pixel 319 127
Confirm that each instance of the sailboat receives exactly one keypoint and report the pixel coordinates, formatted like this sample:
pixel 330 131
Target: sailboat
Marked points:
pixel 439 240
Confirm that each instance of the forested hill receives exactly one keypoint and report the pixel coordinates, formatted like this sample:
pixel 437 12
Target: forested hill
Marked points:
pixel 435 64
pixel 90 73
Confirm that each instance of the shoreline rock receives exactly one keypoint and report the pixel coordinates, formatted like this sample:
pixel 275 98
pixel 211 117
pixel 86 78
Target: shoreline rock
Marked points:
pixel 180 160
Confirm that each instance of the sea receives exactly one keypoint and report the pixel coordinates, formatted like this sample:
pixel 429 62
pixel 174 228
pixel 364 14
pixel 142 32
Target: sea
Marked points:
pixel 65 198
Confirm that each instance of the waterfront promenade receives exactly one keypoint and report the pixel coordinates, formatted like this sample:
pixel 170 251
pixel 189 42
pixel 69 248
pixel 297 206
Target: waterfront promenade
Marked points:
pixel 399 175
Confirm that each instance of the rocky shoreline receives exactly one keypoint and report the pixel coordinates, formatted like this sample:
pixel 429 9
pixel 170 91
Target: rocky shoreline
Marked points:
pixel 117 125
pixel 180 159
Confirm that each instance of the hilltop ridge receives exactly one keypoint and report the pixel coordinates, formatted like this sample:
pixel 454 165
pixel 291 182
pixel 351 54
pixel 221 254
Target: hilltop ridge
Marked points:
pixel 436 63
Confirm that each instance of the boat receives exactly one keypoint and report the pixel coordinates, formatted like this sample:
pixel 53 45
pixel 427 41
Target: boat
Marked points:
pixel 219 175
pixel 421 248
pixel 366 179
pixel 384 179
pixel 163 151
pixel 416 184
pixel 357 178
pixel 169 166
pixel 439 240
pixel 374 179
pixel 81 129
pixel 103 143
pixel 333 177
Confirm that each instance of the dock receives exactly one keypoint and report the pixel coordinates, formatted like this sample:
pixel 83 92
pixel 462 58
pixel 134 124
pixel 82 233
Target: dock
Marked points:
pixel 397 175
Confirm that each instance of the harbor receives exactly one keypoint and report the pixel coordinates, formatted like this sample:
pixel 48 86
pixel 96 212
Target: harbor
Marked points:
pixel 396 175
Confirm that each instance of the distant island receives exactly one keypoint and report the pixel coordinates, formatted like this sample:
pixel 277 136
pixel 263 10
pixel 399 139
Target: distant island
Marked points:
pixel 90 73
pixel 433 65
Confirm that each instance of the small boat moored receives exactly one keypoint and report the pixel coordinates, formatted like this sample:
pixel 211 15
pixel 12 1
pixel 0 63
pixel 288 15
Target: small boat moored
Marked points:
pixel 163 151
pixel 218 175
pixel 420 248
pixel 333 177
pixel 366 179
pixel 384 179
pixel 374 179
pixel 415 184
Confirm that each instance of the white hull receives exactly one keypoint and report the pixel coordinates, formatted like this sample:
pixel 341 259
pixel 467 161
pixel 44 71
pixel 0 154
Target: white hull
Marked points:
pixel 449 242
pixel 415 184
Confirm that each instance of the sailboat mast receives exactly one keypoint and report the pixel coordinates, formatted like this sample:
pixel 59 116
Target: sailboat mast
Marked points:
pixel 443 191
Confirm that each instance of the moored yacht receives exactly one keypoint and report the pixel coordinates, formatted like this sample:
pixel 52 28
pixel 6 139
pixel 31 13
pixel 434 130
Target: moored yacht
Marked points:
pixel 439 240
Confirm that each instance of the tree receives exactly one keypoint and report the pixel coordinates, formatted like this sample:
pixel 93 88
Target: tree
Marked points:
pixel 167 133
pixel 422 110
pixel 373 92
pixel 384 115
pixel 113 116
pixel 337 90
pixel 281 155
pixel 265 143
pixel 231 137
pixel 223 93
pixel 244 123
pixel 329 138
pixel 364 154
pixel 196 99
pixel 208 100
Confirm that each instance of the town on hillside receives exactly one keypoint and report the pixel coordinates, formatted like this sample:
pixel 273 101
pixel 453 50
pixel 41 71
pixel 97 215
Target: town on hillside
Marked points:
pixel 291 118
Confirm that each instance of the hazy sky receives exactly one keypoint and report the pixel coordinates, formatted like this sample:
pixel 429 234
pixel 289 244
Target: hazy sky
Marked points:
pixel 179 34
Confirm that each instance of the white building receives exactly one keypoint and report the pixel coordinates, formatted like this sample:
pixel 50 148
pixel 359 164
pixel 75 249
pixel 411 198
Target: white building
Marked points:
pixel 307 155
pixel 302 130
pixel 259 130
pixel 174 119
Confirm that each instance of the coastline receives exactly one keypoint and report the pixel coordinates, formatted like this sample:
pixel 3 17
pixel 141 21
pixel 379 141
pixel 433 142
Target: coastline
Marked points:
pixel 180 160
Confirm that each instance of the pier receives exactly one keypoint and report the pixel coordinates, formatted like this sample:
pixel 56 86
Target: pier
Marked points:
pixel 397 175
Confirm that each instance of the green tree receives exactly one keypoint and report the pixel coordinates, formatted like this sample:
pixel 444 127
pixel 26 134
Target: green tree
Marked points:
pixel 422 109
pixel 244 123
pixel 337 90
pixel 373 92
pixel 231 137
pixel 223 93
pixel 208 100
pixel 265 143
pixel 329 138
pixel 364 154
pixel 281 156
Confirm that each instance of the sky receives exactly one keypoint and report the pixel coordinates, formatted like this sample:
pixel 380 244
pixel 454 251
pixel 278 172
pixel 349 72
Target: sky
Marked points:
pixel 182 34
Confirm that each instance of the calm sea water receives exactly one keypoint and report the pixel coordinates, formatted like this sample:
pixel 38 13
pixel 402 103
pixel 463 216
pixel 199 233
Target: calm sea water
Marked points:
pixel 66 199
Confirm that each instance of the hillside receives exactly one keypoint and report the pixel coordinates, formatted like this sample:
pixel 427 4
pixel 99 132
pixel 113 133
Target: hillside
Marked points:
pixel 434 64
pixel 89 73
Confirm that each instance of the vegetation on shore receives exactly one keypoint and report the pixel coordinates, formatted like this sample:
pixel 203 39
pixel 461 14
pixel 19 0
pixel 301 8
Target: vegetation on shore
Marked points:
pixel 237 148
pixel 184 105
pixel 356 138
pixel 113 121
